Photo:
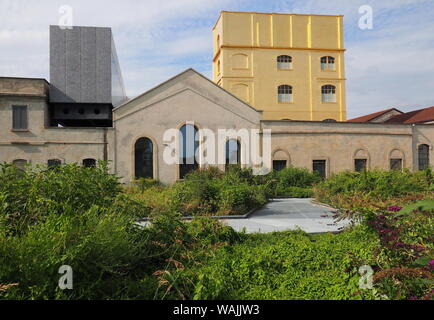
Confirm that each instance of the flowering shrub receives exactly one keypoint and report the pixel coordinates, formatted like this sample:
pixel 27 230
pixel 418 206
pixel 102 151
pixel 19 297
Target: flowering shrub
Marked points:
pixel 406 239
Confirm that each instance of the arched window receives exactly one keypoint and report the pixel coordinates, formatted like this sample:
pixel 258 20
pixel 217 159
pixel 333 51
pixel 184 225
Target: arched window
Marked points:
pixel 218 42
pixel 89 163
pixel 284 94
pixel 144 158
pixel 396 160
pixel 361 160
pixel 328 93
pixel 188 149
pixel 328 64
pixel 284 62
pixel 20 164
pixel 280 160
pixel 233 152
pixel 54 163
pixel 423 155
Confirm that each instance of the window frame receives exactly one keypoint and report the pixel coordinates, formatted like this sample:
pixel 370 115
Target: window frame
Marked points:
pixel 284 65
pixel 401 161
pixel 183 167
pixel 329 65
pixel 21 120
pixel 280 166
pixel 325 161
pixel 365 167
pixel 89 166
pixel 54 162
pixel 328 97
pixel 22 168
pixel 423 163
pixel 288 91
pixel 228 157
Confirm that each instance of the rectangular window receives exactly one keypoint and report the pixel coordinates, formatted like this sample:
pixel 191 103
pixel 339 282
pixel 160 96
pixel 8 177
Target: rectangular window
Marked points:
pixel 285 98
pixel 320 167
pixel 19 118
pixel 279 165
pixel 360 164
pixel 395 164
pixel 284 65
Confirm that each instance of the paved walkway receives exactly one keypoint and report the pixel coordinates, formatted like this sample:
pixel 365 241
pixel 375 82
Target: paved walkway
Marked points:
pixel 289 214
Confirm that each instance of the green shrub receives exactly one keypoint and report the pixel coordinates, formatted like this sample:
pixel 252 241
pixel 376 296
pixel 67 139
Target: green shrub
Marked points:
pixel 353 189
pixel 289 265
pixel 239 199
pixel 104 250
pixel 27 196
pixel 145 183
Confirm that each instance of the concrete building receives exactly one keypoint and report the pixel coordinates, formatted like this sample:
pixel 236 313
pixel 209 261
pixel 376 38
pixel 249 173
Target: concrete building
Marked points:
pixel 85 77
pixel 291 66
pixel 136 141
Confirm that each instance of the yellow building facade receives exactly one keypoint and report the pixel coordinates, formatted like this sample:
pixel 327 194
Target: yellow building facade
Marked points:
pixel 290 66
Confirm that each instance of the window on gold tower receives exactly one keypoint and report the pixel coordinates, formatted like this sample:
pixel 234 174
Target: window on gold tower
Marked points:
pixel 284 93
pixel 328 63
pixel 328 93
pixel 284 62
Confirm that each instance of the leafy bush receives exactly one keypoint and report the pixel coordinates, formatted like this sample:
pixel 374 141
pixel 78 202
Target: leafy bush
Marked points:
pixel 27 196
pixel 289 265
pixel 292 182
pixel 406 236
pixel 370 188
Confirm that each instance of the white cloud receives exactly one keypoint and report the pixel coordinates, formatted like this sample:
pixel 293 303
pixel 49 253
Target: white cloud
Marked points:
pixel 391 65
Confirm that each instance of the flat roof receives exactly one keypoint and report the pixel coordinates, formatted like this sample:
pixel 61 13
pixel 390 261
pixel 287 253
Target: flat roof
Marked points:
pixel 277 13
pixel 24 78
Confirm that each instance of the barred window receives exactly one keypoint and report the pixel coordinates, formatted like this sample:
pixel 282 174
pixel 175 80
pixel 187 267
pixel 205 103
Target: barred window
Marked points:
pixel 327 63
pixel 144 158
pixel 320 166
pixel 328 93
pixel 284 93
pixel 89 163
pixel 233 152
pixel 20 164
pixel 360 164
pixel 284 62
pixel 19 118
pixel 396 164
pixel 423 155
pixel 54 163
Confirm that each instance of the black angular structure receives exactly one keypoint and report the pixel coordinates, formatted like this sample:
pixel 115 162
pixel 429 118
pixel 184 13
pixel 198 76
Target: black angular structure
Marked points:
pixel 85 77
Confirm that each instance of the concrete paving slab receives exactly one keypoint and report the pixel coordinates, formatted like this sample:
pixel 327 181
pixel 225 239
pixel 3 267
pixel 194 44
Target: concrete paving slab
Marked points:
pixel 287 214
pixel 290 214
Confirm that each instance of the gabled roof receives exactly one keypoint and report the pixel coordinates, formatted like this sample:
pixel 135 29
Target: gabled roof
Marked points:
pixel 179 75
pixel 373 116
pixel 418 116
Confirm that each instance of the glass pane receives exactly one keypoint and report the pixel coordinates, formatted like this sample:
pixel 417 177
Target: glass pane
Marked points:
pixel 423 155
pixel 320 167
pixel 233 152
pixel 279 165
pixel 144 158
pixel 89 163
pixel 396 164
pixel 189 148
pixel 360 165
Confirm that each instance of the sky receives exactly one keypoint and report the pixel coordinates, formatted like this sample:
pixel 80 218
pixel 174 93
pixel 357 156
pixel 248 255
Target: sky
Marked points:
pixel 390 65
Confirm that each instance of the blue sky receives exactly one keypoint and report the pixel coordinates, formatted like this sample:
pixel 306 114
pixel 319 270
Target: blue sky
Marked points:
pixel 391 65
